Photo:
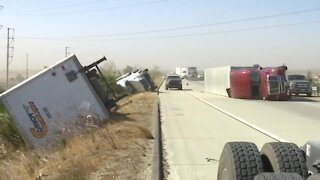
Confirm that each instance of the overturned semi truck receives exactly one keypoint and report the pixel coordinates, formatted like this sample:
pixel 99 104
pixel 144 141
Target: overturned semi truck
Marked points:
pixel 254 82
pixel 58 101
pixel 137 81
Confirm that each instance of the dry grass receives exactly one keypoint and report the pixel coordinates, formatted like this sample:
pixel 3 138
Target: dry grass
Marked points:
pixel 19 165
pixel 120 149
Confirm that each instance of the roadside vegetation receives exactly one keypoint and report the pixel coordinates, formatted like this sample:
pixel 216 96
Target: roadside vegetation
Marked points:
pixel 8 132
pixel 314 80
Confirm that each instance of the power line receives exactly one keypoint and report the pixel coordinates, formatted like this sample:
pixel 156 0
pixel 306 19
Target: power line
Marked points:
pixel 192 26
pixel 218 23
pixel 95 10
pixel 233 31
pixel 199 34
pixel 72 5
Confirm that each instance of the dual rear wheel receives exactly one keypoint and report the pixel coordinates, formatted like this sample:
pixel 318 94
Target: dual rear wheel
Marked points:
pixel 277 160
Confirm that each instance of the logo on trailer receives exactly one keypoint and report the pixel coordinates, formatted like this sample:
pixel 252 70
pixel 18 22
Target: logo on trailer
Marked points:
pixel 39 128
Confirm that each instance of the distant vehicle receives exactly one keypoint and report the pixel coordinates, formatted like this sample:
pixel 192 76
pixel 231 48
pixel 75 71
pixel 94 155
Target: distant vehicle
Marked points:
pixel 299 85
pixel 182 71
pixel 192 73
pixel 187 72
pixel 200 76
pixel 248 82
pixel 173 81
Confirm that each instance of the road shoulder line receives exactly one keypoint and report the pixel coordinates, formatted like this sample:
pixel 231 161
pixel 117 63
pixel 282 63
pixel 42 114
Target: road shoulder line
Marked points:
pixel 275 137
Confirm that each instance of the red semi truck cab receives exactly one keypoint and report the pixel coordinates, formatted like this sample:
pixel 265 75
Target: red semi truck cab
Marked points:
pixel 240 83
pixel 259 83
pixel 274 85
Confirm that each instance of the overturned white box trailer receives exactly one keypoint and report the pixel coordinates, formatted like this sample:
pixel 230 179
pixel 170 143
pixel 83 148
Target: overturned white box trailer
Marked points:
pixel 217 80
pixel 54 103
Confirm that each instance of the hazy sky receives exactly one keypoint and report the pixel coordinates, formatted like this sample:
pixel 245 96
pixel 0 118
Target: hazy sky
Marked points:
pixel 168 33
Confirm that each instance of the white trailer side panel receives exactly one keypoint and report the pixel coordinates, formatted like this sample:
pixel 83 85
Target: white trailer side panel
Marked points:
pixel 178 71
pixel 54 103
pixel 138 86
pixel 217 80
pixel 137 81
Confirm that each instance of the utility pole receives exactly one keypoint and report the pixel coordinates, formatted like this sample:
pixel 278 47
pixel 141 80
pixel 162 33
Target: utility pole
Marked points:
pixel 10 48
pixel 27 66
pixel 67 53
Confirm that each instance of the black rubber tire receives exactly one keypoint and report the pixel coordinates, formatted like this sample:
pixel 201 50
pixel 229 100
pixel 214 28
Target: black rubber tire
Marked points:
pixel 278 176
pixel 289 96
pixel 284 157
pixel 309 94
pixel 180 88
pixel 239 160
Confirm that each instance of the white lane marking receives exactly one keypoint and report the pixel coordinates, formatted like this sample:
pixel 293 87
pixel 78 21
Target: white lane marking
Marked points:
pixel 275 137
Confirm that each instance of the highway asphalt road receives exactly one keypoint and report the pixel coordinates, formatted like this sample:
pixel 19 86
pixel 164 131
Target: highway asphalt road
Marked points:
pixel 196 125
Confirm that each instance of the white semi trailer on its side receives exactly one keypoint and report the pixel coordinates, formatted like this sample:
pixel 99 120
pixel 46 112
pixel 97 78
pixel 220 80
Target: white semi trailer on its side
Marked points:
pixel 217 80
pixel 56 102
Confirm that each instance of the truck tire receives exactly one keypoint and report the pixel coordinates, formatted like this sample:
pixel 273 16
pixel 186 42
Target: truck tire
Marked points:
pixel 309 94
pixel 284 157
pixel 278 176
pixel 289 96
pixel 239 160
pixel 180 88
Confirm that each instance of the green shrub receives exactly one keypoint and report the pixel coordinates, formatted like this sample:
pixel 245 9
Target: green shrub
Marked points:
pixel 111 80
pixel 8 131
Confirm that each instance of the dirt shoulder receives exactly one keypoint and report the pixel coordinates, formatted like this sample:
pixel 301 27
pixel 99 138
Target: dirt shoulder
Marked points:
pixel 122 148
